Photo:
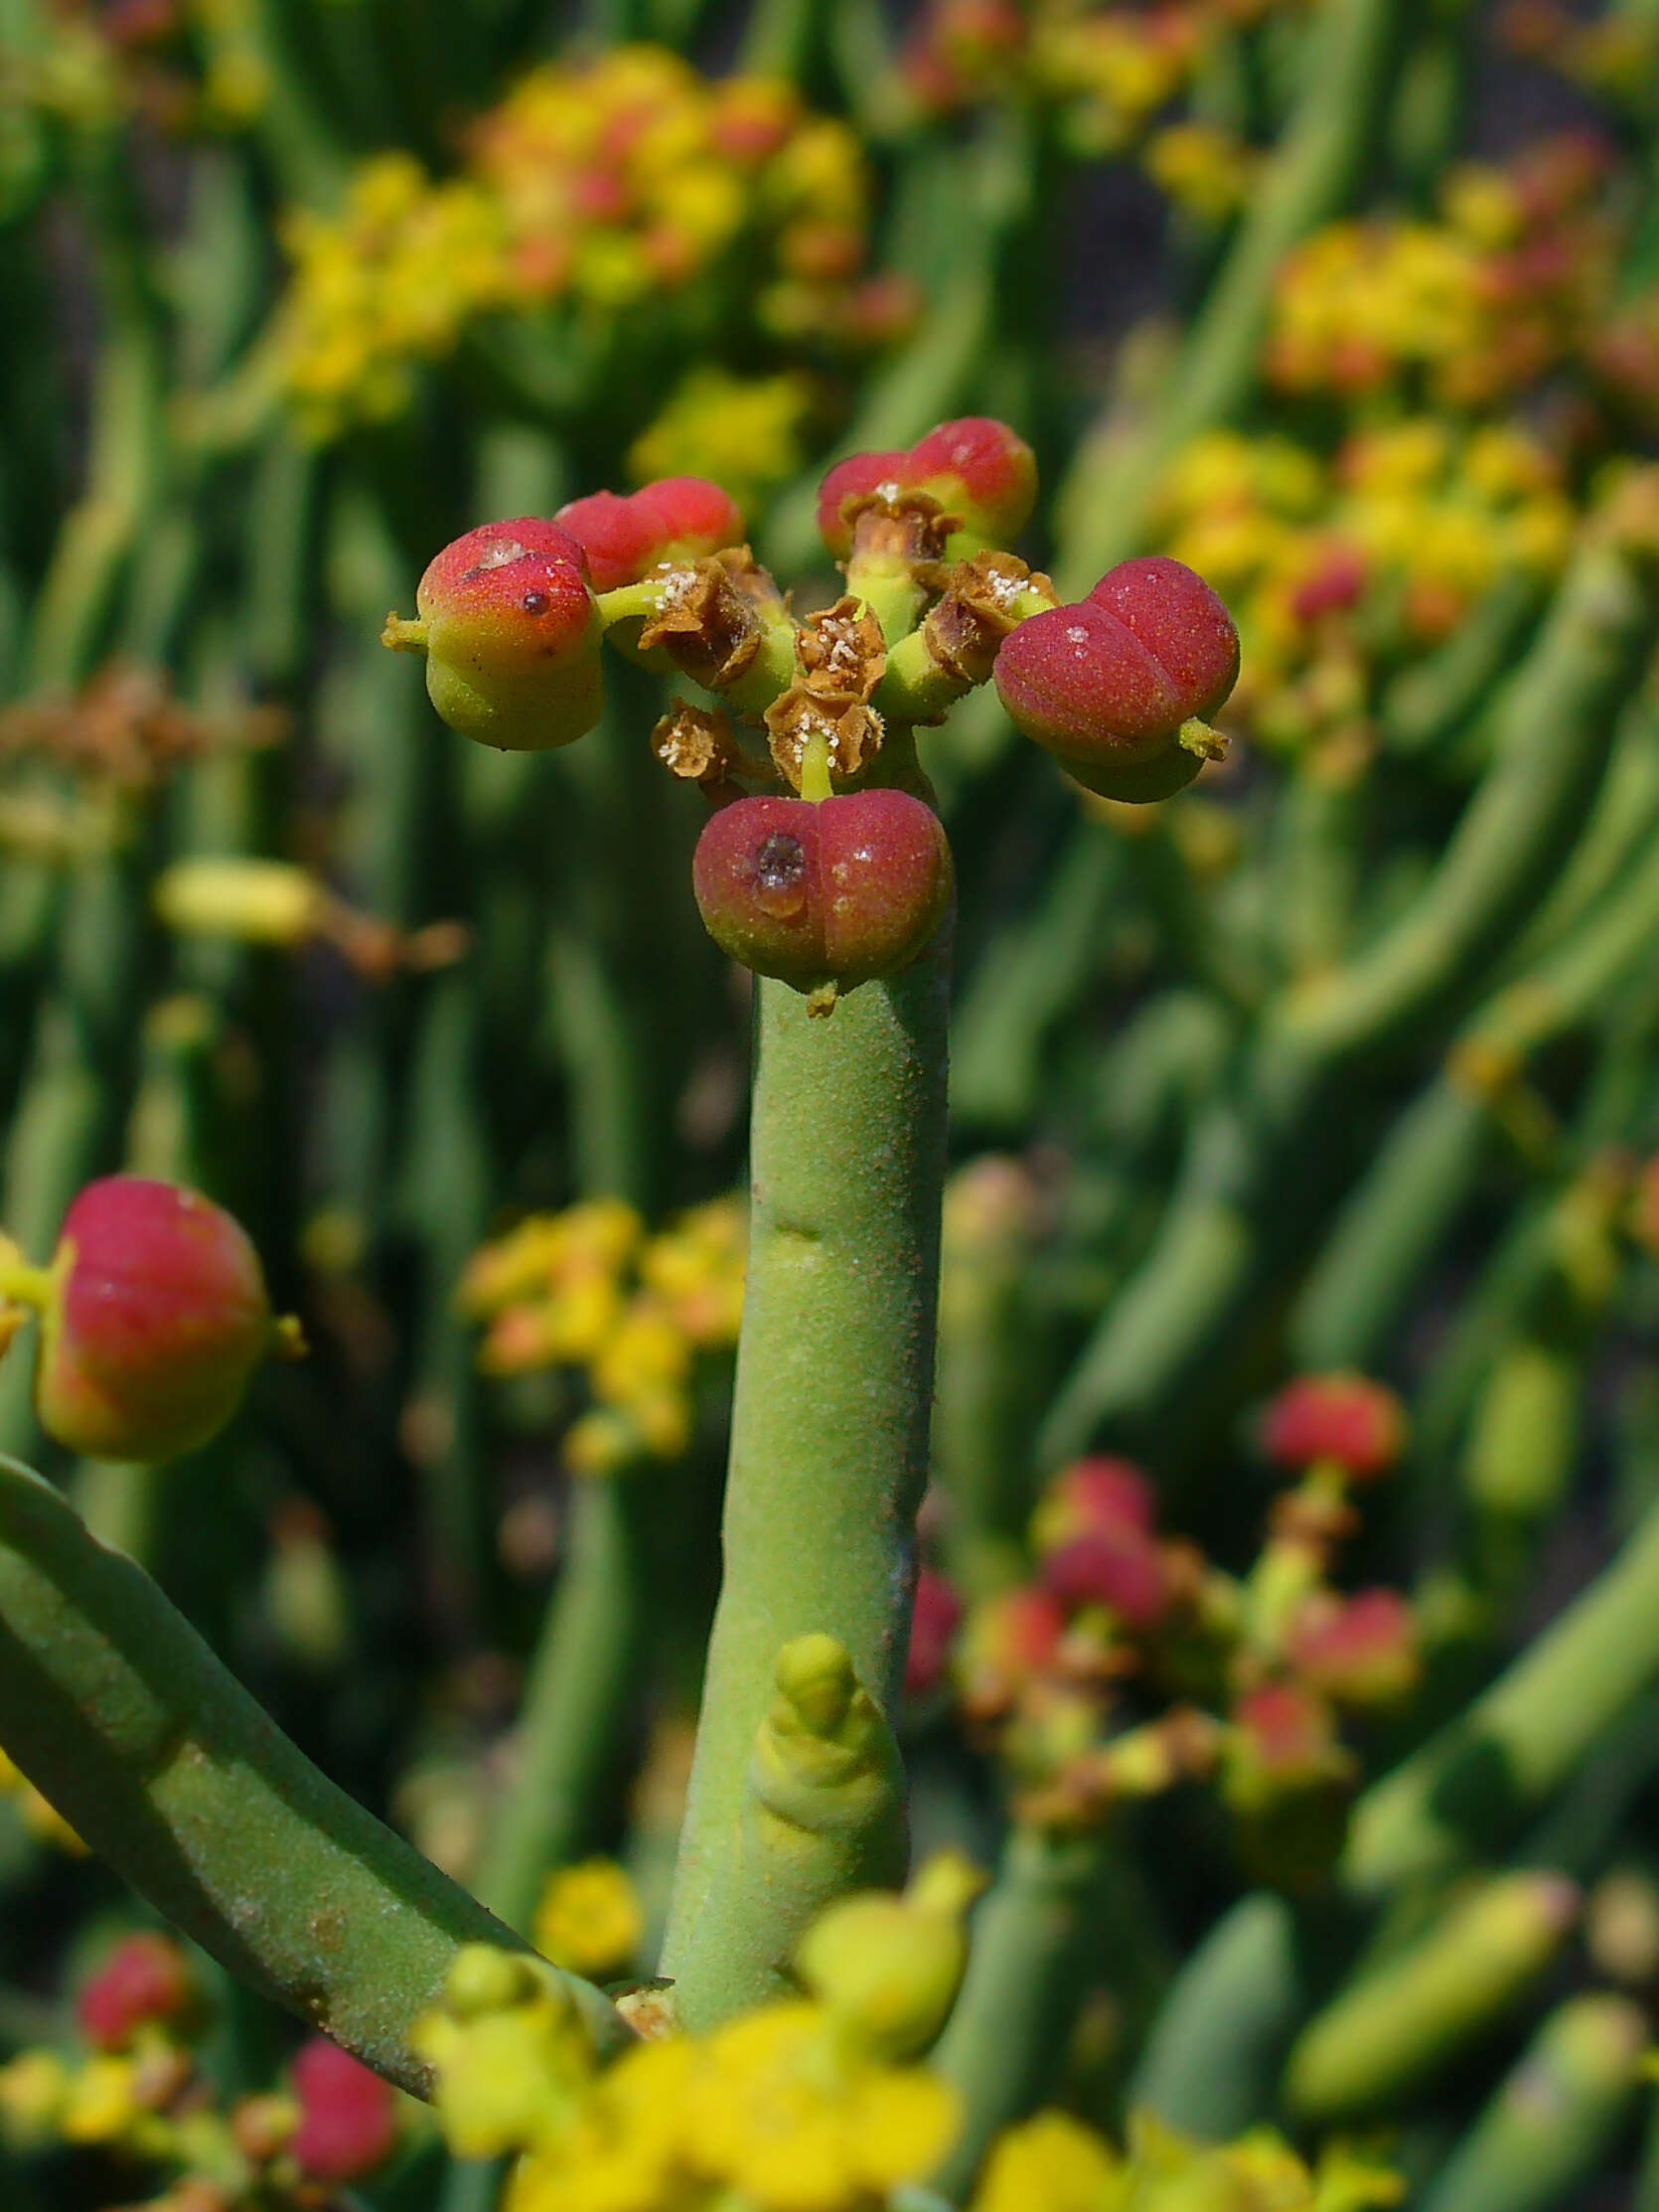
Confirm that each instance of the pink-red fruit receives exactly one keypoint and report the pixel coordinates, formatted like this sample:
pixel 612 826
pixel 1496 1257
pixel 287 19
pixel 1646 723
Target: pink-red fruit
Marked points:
pixel 511 636
pixel 1341 1420
pixel 156 1320
pixel 977 469
pixel 145 1978
pixel 625 536
pixel 348 2116
pixel 1106 686
pixel 818 891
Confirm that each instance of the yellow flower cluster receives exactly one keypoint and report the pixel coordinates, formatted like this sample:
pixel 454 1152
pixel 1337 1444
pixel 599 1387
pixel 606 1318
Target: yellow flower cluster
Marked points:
pixel 745 432
pixel 1410 527
pixel 589 1920
pixel 43 1821
pixel 781 2107
pixel 1467 310
pixel 392 279
pixel 597 184
pixel 1107 73
pixel 1206 172
pixel 1053 2164
pixel 588 1289
pixel 1114 68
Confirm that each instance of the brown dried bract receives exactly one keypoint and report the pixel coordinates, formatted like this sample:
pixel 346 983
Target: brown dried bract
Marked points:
pixel 980 606
pixel 900 526
pixel 852 728
pixel 840 654
pixel 708 622
pixel 125 727
pixel 696 744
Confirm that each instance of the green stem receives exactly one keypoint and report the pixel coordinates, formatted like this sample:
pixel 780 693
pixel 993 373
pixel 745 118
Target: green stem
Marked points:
pixel 1216 2051
pixel 585 1663
pixel 114 1708
pixel 1322 157
pixel 1030 1963
pixel 1472 1786
pixel 1548 2133
pixel 1399 2023
pixel 1518 828
pixel 834 1378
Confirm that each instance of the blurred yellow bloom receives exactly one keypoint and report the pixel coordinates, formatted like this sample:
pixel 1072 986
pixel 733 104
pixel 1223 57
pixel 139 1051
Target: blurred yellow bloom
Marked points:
pixel 1053 2162
pixel 786 2125
pixel 607 181
pixel 589 1920
pixel 746 432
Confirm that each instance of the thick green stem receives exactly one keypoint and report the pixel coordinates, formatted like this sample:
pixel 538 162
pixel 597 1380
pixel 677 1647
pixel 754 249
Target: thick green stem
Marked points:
pixel 114 1708
pixel 835 1376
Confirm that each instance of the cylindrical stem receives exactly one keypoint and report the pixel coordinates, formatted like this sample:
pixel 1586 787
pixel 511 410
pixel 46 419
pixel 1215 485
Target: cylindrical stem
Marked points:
pixel 835 1376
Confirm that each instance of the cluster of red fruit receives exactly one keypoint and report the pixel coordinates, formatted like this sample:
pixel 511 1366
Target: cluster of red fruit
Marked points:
pixel 836 887
pixel 337 2124
pixel 1127 1661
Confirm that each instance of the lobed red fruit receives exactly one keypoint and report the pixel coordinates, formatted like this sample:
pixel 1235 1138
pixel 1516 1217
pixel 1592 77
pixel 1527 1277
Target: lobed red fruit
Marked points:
pixel 144 1979
pixel 348 2116
pixel 626 536
pixel 841 889
pixel 976 468
pixel 1348 1419
pixel 157 1319
pixel 512 637
pixel 1107 685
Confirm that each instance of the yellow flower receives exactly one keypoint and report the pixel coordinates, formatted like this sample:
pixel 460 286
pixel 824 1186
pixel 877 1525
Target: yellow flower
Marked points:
pixel 33 2089
pixel 623 2151
pixel 1051 2164
pixel 797 2127
pixel 100 2105
pixel 589 1920
pixel 744 432
pixel 509 2052
pixel 1202 169
pixel 645 1352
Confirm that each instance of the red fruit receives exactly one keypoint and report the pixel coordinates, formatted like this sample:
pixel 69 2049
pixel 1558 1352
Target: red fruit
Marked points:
pixel 511 636
pixel 1181 623
pixel 1119 1569
pixel 144 1979
pixel 811 892
pixel 348 2116
pixel 1107 685
pixel 1007 1642
pixel 935 1617
pixel 981 470
pixel 157 1318
pixel 1093 1497
pixel 679 517
pixel 977 469
pixel 1348 1419
pixel 856 477
pixel 1361 1650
